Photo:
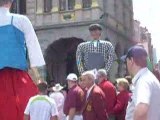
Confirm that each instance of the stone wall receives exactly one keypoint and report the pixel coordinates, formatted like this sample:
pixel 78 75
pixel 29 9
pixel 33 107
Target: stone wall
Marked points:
pixel 116 17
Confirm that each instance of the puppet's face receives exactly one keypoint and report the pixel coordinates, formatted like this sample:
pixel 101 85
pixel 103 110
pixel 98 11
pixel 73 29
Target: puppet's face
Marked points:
pixel 95 34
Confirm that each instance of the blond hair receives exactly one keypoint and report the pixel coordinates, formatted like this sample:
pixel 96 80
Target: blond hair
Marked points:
pixel 123 82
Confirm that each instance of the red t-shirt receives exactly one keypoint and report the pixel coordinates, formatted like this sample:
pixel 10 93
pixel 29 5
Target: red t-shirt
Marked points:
pixel 110 93
pixel 74 99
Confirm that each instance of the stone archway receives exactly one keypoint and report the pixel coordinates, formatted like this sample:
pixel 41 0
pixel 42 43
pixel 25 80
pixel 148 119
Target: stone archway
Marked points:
pixel 60 57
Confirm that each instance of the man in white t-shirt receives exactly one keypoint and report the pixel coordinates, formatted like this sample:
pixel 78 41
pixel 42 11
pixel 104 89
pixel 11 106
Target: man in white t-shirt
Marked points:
pixel 41 107
pixel 145 101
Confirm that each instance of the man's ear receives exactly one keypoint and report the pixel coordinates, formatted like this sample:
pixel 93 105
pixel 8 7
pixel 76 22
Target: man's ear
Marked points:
pixel 132 60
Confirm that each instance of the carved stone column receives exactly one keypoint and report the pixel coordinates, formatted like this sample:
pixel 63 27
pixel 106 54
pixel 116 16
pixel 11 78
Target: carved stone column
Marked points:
pixel 55 5
pixel 55 11
pixel 78 4
pixel 78 10
pixel 39 6
pixel 95 3
pixel 96 12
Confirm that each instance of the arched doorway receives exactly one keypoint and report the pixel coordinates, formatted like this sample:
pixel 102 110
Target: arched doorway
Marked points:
pixel 60 57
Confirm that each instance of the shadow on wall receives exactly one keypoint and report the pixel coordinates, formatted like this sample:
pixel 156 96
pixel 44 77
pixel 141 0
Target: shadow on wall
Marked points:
pixel 60 57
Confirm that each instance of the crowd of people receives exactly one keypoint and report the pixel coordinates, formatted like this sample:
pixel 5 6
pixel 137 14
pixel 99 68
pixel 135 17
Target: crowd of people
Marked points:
pixel 84 100
pixel 93 97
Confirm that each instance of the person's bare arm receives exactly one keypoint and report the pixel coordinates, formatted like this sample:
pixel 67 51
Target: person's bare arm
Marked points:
pixel 71 114
pixel 26 117
pixel 54 118
pixel 141 111
pixel 37 73
pixel 35 57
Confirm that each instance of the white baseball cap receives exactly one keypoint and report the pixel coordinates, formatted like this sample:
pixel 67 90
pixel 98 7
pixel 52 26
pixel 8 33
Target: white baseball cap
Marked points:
pixel 72 77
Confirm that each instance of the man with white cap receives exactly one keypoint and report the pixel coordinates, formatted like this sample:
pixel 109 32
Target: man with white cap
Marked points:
pixel 59 100
pixel 74 100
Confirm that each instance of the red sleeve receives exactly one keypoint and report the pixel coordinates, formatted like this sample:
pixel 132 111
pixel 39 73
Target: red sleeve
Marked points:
pixel 99 106
pixel 119 106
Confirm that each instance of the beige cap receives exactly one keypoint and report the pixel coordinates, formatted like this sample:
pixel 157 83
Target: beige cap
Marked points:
pixel 57 87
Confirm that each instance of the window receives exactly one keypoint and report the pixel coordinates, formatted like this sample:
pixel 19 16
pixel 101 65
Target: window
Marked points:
pixel 22 7
pixel 62 5
pixel 19 7
pixel 71 4
pixel 87 3
pixel 47 5
pixel 67 5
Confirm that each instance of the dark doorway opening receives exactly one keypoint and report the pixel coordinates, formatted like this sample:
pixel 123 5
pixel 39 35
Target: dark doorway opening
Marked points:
pixel 60 57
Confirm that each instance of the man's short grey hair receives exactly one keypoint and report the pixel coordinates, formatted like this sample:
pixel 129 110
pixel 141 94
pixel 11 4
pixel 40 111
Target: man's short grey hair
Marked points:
pixel 102 73
pixel 90 75
pixel 3 2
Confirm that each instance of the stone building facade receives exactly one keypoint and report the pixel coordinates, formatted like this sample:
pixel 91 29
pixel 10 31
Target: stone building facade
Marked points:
pixel 141 36
pixel 56 19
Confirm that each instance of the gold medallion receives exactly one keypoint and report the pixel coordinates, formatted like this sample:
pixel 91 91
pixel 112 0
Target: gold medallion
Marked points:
pixel 89 108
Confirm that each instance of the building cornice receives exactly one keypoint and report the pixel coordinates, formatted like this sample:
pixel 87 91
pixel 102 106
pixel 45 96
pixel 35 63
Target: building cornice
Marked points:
pixel 62 25
pixel 77 24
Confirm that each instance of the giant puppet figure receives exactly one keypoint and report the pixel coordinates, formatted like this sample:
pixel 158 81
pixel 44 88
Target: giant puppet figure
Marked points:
pixel 17 41
pixel 94 54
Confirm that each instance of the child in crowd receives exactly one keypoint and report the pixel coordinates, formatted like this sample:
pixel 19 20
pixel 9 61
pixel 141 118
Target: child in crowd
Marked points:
pixel 123 97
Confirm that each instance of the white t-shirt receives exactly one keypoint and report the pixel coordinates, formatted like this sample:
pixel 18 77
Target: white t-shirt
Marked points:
pixel 23 24
pixel 41 107
pixel 146 90
pixel 59 100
